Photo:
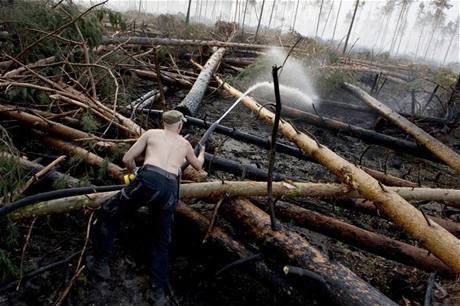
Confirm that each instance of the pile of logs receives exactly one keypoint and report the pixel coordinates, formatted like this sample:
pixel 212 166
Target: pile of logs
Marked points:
pixel 435 246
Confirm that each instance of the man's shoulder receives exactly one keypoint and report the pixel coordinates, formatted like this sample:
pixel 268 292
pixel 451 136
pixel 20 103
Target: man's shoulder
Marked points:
pixel 152 131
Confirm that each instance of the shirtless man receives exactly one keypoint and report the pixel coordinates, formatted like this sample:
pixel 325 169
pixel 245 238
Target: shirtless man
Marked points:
pixel 155 185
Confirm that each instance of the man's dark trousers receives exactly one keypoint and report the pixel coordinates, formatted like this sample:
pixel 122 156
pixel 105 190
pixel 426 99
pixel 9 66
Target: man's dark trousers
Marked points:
pixel 157 189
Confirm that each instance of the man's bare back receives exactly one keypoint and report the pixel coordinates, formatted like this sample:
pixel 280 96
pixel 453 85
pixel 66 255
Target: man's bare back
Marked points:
pixel 164 148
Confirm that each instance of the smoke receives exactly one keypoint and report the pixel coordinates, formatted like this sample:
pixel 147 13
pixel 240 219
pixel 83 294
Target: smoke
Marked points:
pixel 296 87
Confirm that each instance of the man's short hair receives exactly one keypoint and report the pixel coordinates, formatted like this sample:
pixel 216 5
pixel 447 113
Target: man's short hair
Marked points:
pixel 173 116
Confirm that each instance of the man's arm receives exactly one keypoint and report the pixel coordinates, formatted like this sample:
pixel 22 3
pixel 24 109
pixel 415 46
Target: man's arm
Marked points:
pixel 135 151
pixel 196 162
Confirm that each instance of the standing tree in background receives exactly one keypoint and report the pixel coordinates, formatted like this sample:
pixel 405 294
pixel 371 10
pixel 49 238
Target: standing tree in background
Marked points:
pixel 451 30
pixel 402 29
pixel 319 18
pixel 187 18
pixel 398 29
pixel 244 15
pixel 336 20
pixel 271 14
pixel 351 26
pixel 260 19
pixel 327 19
pixel 438 19
pixel 295 15
pixel 423 18
pixel 388 10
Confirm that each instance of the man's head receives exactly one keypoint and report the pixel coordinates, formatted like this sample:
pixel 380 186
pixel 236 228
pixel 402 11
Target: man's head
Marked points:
pixel 173 120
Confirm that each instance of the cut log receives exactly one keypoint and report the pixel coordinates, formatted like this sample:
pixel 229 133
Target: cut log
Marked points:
pixel 215 190
pixel 372 242
pixel 191 102
pixel 284 245
pixel 92 159
pixel 365 135
pixel 435 238
pixel 443 152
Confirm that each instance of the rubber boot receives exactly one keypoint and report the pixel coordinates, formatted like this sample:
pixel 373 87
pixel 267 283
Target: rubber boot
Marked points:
pixel 98 267
pixel 157 296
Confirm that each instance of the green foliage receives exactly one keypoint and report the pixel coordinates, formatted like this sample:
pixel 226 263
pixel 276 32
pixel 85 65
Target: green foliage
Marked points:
pixel 102 170
pixel 61 183
pixel 11 173
pixel 8 241
pixel 249 75
pixel 89 123
pixel 330 81
pixel 8 270
pixel 23 17
pixel 444 77
pixel 119 150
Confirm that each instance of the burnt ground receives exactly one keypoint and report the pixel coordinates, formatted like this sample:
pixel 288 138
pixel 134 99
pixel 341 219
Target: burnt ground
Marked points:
pixel 193 264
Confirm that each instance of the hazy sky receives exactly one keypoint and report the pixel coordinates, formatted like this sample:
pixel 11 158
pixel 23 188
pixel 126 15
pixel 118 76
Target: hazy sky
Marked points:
pixel 372 28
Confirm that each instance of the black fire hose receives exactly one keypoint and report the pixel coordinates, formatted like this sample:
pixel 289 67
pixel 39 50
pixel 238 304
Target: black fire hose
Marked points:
pixel 56 194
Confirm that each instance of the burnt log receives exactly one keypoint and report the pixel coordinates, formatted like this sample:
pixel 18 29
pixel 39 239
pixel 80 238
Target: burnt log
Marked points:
pixel 365 135
pixel 363 239
pixel 344 287
pixel 369 208
pixel 212 162
pixel 220 238
pixel 440 150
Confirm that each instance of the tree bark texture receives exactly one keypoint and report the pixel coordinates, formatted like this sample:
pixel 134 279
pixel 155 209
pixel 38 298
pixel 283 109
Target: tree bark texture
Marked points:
pixel 193 99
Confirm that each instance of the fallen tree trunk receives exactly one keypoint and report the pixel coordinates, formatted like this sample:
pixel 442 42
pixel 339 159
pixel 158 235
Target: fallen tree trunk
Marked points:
pixel 435 238
pixel 130 125
pixel 212 162
pixel 220 238
pixel 37 64
pixel 151 75
pixel 443 152
pixel 372 242
pixel 147 41
pixel 369 208
pixel 284 245
pixel 50 126
pixel 328 104
pixel 218 189
pixel 191 102
pixel 386 179
pixel 365 135
pixel 54 175
pixel 92 159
